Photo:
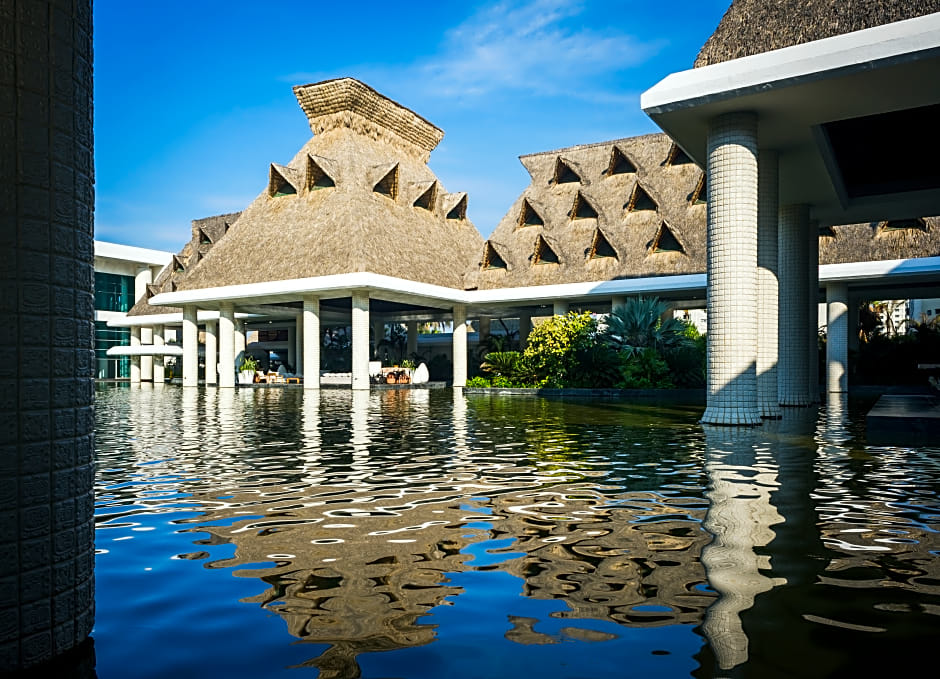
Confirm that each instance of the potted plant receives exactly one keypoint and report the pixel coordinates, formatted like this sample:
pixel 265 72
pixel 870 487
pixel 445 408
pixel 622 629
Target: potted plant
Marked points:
pixel 246 372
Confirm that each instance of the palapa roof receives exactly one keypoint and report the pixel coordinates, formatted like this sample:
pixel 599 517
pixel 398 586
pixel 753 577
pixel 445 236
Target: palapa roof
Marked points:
pixel 358 197
pixel 755 26
pixel 876 241
pixel 618 209
pixel 205 234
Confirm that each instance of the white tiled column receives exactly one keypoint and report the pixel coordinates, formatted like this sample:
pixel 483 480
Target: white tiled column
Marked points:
pixel 793 366
pixel 560 307
pixel 812 303
pixel 732 270
pixel 135 360
pixel 460 345
pixel 311 351
pixel 190 347
pixel 212 370
pixel 767 289
pixel 159 369
pixel 227 365
pixel 837 337
pixel 360 340
pixel 412 338
pixel 525 325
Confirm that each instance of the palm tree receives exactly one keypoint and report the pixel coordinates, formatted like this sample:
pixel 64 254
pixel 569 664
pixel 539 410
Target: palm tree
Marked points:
pixel 639 324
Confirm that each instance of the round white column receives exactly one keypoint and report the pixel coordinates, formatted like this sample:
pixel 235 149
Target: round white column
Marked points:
pixel 793 366
pixel 767 288
pixel 837 337
pixel 239 338
pixel 311 331
pixel 190 347
pixel 732 270
pixel 460 345
pixel 227 367
pixel 360 340
pixel 135 360
pixel 212 369
pixel 159 374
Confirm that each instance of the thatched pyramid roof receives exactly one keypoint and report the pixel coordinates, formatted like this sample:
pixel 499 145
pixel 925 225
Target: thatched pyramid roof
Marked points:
pixel 755 26
pixel 357 197
pixel 617 209
pixel 876 241
pixel 205 234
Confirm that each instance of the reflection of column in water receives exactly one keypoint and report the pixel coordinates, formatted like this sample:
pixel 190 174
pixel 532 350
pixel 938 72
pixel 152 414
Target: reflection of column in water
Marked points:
pixel 461 449
pixel 229 422
pixel 837 417
pixel 189 418
pixel 310 451
pixel 360 428
pixel 739 517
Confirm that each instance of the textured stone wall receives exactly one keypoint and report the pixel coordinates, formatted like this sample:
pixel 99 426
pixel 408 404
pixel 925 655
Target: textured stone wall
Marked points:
pixel 46 330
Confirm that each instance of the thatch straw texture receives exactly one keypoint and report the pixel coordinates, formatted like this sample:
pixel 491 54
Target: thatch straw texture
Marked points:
pixel 755 26
pixel 663 234
pixel 875 241
pixel 364 218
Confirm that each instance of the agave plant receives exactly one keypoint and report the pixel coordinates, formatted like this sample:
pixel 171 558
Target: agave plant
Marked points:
pixel 638 325
pixel 502 363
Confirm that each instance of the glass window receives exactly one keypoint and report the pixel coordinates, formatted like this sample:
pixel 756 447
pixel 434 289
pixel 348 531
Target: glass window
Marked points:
pixel 113 292
pixel 111 367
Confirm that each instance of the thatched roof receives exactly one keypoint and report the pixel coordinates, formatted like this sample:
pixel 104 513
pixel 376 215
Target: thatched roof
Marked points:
pixel 755 26
pixel 205 234
pixel 617 209
pixel 358 196
pixel 874 241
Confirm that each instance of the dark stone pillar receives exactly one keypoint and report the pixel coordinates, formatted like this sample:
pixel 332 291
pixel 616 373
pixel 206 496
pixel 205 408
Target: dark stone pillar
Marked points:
pixel 46 330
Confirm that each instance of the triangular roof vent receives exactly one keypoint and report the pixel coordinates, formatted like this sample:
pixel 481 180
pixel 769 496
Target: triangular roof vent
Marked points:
pixel 528 216
pixel 428 198
pixel 699 195
pixel 282 181
pixel 318 177
pixel 640 200
pixel 564 174
pixel 918 224
pixel 204 237
pixel 152 290
pixel 178 263
pixel 619 163
pixel 601 247
pixel 677 156
pixel 544 254
pixel 459 210
pixel 582 208
pixel 388 184
pixel 665 241
pixel 491 258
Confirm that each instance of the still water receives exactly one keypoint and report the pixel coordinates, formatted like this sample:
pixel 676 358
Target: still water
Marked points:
pixel 272 532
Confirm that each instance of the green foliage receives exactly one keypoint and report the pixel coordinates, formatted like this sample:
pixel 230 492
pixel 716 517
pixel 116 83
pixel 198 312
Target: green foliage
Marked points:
pixel 598 367
pixel 478 382
pixel 503 363
pixel 644 369
pixel 249 364
pixel 687 362
pixel 551 356
pixel 637 325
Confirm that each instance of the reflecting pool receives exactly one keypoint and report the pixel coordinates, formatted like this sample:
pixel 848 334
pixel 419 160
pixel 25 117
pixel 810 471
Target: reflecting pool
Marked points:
pixel 272 532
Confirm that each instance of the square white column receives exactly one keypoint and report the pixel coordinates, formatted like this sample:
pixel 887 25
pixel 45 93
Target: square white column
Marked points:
pixel 135 360
pixel 211 349
pixel 311 342
pixel 190 347
pixel 767 287
pixel 239 338
pixel 793 365
pixel 146 362
pixel 227 367
pixel 360 340
pixel 159 367
pixel 460 345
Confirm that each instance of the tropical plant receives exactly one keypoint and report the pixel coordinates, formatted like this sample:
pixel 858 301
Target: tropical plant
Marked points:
pixel 550 358
pixel 644 369
pixel 598 367
pixel 639 325
pixel 502 363
pixel 249 364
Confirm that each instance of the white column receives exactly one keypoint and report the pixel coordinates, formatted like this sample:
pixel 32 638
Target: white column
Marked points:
pixel 617 303
pixel 291 357
pixel 525 325
pixel 360 340
pixel 460 345
pixel 812 303
pixel 146 362
pixel 239 337
pixel 767 288
pixel 793 365
pixel 311 332
pixel 135 360
pixel 560 307
pixel 142 278
pixel 837 337
pixel 212 361
pixel 190 347
pixel 412 338
pixel 227 354
pixel 732 270
pixel 159 374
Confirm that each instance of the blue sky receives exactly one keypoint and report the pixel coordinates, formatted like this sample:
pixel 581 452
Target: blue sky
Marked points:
pixel 193 99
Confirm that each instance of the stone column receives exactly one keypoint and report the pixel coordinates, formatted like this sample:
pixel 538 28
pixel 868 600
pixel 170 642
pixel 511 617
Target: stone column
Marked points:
pixel 135 360
pixel 311 331
pixel 732 270
pixel 559 307
pixel 212 360
pixel 525 325
pixel 360 340
pixel 812 338
pixel 190 347
pixel 46 331
pixel 767 289
pixel 460 345
pixel 159 368
pixel 793 254
pixel 412 338
pixel 837 337
pixel 227 354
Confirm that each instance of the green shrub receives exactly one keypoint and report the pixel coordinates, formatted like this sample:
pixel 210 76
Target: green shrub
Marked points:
pixel 503 364
pixel 551 356
pixel 646 369
pixel 687 363
pixel 478 382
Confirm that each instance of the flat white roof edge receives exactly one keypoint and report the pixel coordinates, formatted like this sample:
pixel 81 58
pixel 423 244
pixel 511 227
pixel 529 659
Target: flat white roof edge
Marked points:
pixel 147 350
pixel 879 269
pixel 858 50
pixel 131 253
pixel 623 286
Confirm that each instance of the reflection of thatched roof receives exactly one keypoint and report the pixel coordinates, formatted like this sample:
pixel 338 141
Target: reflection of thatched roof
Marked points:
pixel 874 241
pixel 373 215
pixel 205 234
pixel 755 26
pixel 600 218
